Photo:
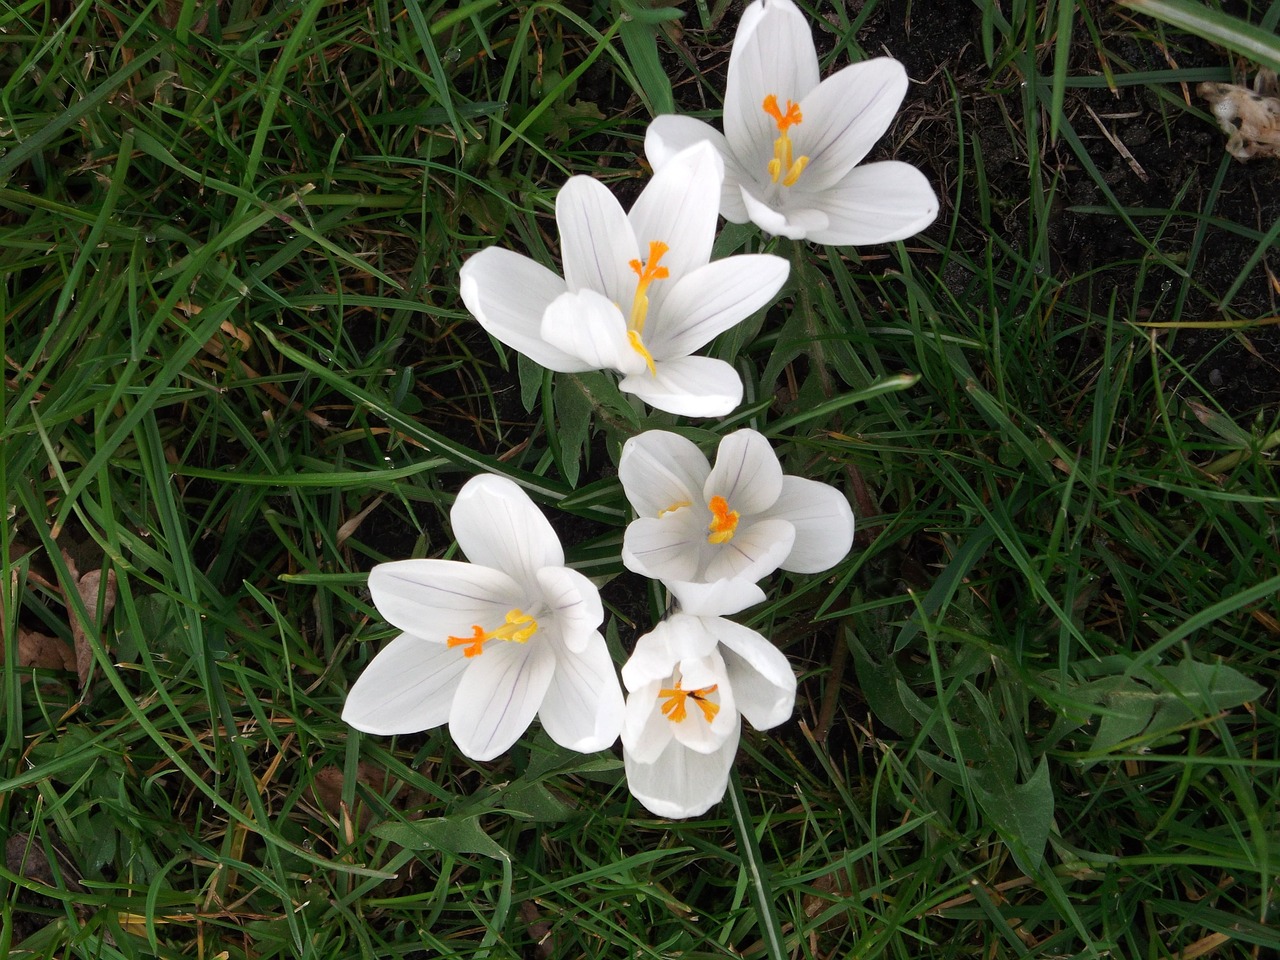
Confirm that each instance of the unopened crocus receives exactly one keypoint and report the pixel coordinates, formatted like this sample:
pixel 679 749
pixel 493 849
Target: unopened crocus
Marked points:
pixel 690 682
pixel 640 293
pixel 793 146
pixel 489 644
pixel 710 533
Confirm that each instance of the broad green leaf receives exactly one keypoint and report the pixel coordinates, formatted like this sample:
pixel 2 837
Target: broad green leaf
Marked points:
pixel 447 834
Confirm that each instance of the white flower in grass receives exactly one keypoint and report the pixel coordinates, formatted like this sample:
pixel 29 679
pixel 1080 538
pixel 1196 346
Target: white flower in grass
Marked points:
pixel 689 682
pixel 792 145
pixel 640 293
pixel 710 534
pixel 489 644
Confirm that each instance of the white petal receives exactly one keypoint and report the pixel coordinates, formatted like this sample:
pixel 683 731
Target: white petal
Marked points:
pixel 773 54
pixel 507 293
pixel 670 133
pixel 823 520
pixel 583 708
pixel 434 598
pixel 715 599
pixel 408 687
pixel 498 526
pixel 688 387
pixel 845 116
pixel 679 207
pixel 680 783
pixel 757 549
pixel 790 221
pixel 645 731
pixel 596 242
pixel 575 605
pixel 763 683
pixel 874 203
pixel 499 695
pixel 712 299
pixel 747 473
pixel 678 637
pixel 668 547
pixel 660 470
pixel 588 325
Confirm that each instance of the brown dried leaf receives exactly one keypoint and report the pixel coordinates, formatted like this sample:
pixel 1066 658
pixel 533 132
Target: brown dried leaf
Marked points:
pixel 91 588
pixel 43 651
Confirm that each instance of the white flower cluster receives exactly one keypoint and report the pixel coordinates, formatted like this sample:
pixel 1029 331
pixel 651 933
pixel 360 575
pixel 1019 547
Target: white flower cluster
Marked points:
pixel 514 633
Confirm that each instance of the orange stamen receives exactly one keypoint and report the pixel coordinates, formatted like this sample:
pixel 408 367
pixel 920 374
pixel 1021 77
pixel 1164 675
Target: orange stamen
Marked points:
pixel 783 160
pixel 675 708
pixel 648 272
pixel 518 628
pixel 724 522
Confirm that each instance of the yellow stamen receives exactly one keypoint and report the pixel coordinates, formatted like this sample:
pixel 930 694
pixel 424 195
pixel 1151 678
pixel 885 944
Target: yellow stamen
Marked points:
pixel 648 272
pixel 782 148
pixel 674 707
pixel 679 504
pixel 518 628
pixel 724 522
pixel 633 337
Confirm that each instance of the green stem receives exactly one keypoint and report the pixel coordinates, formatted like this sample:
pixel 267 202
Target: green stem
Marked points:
pixel 753 861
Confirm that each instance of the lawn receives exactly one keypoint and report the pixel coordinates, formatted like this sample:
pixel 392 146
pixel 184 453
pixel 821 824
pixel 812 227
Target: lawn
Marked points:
pixel 1035 710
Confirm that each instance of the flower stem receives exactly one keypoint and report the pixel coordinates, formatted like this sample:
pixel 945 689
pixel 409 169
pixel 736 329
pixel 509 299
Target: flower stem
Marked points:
pixel 757 872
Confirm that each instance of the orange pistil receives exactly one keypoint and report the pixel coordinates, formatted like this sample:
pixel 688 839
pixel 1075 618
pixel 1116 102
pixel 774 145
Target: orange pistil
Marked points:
pixel 648 272
pixel 782 149
pixel 674 705
pixel 724 522
pixel 518 628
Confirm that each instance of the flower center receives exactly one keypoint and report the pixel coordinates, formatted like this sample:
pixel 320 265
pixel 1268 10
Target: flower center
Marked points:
pixel 675 702
pixel 648 272
pixel 783 164
pixel 724 522
pixel 519 627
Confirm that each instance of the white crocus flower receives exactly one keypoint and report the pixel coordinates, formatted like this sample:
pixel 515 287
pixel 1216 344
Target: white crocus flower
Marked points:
pixel 792 145
pixel 489 644
pixel 689 682
pixel 640 292
pixel 709 534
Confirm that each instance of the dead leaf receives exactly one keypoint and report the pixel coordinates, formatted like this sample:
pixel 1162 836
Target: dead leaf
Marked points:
pixel 43 651
pixel 92 588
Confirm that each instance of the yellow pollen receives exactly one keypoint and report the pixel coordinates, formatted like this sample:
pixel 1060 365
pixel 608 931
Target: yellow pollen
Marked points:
pixel 679 504
pixel 518 628
pixel 648 272
pixel 674 705
pixel 724 522
pixel 782 149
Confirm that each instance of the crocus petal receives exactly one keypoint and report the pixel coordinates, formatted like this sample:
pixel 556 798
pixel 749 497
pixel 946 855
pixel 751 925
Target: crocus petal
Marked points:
pixel 678 207
pixel 408 687
pixel 823 521
pixel 660 470
pixel 432 598
pixel 715 599
pixel 680 783
pixel 645 731
pixel 497 525
pixel 772 55
pixel 792 221
pixel 596 242
pixel 664 547
pixel 755 551
pixel 762 681
pixel 747 473
pixel 844 117
pixel 499 695
pixel 672 640
pixel 575 605
pixel 874 203
pixel 705 303
pixel 671 133
pixel 688 387
pixel 582 709
pixel 694 731
pixel 507 292
pixel 589 325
